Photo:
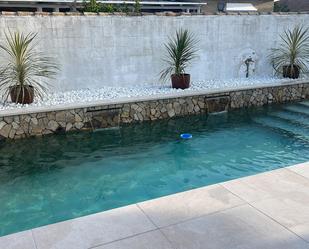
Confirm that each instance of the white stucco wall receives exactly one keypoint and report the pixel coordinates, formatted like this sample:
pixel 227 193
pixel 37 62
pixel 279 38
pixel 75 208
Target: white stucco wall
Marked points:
pixel 97 51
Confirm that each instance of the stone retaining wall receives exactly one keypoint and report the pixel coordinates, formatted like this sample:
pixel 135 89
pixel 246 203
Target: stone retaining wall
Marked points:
pixel 36 124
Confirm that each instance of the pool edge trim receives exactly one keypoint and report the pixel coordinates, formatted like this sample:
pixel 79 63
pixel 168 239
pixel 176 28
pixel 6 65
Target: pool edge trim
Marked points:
pixel 127 100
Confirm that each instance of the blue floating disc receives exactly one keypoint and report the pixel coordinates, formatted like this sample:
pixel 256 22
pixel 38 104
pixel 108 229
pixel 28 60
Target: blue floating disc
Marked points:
pixel 186 136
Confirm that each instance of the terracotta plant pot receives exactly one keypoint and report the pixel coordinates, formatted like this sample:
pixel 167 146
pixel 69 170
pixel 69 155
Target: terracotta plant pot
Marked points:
pixel 22 95
pixel 291 72
pixel 181 81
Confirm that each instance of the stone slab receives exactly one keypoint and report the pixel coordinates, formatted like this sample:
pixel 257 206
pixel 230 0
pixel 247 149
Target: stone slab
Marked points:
pixel 277 183
pixel 150 240
pixel 238 228
pixel 187 205
pixel 301 169
pixel 301 230
pixel 21 240
pixel 291 211
pixel 93 230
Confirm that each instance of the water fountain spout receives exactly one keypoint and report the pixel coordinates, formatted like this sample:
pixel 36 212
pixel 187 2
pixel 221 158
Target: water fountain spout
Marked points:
pixel 247 62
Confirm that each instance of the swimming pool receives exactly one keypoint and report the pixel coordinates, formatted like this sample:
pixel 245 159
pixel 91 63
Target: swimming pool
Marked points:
pixel 50 179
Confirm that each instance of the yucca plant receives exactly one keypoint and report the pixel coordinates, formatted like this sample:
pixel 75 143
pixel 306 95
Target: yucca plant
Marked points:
pixel 181 50
pixel 292 55
pixel 24 75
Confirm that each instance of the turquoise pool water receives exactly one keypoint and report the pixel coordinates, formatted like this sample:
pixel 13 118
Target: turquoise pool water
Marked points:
pixel 54 178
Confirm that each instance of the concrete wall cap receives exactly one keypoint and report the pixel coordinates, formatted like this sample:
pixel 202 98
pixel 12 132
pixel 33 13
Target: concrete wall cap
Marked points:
pixel 163 13
pixel 90 14
pixel 73 13
pixel 58 13
pixel 42 13
pixel 25 13
pixel 8 13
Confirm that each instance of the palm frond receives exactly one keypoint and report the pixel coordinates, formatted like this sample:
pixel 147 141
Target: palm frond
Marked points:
pixel 180 51
pixel 293 50
pixel 25 67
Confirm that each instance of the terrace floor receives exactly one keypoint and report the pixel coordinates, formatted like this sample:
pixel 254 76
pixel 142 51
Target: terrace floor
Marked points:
pixel 267 211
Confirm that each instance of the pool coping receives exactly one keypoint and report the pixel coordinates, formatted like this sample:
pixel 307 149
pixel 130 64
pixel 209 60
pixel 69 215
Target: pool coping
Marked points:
pixel 124 100
pixel 259 194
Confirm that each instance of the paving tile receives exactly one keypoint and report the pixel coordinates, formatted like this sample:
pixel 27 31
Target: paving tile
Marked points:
pixel 277 183
pixel 149 240
pixel 302 230
pixel 186 205
pixel 93 230
pixel 301 169
pixel 292 212
pixel 237 228
pixel 22 240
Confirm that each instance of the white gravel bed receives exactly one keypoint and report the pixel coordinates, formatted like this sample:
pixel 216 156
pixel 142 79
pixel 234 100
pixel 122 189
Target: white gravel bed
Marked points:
pixel 112 93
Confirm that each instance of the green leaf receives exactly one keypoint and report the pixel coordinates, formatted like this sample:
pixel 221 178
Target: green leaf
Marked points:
pixel 180 51
pixel 25 66
pixel 293 50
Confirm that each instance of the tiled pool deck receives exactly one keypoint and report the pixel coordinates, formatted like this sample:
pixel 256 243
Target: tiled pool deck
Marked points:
pixel 267 211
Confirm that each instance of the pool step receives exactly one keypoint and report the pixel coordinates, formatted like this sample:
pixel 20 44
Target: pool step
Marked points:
pixel 291 117
pixel 298 108
pixel 304 103
pixel 283 126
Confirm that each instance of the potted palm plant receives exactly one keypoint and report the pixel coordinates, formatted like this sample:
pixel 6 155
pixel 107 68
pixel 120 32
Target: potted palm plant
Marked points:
pixel 24 75
pixel 181 50
pixel 292 56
